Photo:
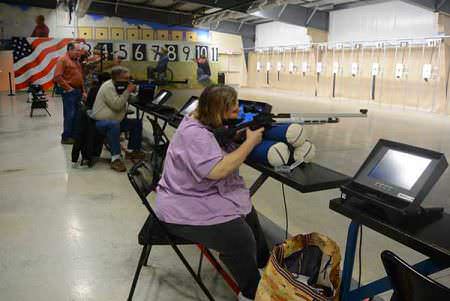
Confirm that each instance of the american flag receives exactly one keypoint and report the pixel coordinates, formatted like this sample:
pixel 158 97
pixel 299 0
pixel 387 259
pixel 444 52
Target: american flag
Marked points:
pixel 35 60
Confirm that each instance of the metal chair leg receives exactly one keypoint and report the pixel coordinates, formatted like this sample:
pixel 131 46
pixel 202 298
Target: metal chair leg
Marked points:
pixel 191 271
pixel 138 271
pixel 200 262
pixel 48 113
pixel 147 255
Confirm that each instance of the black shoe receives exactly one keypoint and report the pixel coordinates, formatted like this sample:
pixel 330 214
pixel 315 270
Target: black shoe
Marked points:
pixel 68 141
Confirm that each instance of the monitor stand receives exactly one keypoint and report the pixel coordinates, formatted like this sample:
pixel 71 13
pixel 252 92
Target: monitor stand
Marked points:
pixel 408 217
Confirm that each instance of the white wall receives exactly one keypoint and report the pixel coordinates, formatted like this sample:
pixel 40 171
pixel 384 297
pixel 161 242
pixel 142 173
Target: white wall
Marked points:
pixel 382 21
pixel 275 34
pixel 19 21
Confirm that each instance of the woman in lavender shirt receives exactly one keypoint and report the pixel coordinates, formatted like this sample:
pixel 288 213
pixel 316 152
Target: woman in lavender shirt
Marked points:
pixel 201 196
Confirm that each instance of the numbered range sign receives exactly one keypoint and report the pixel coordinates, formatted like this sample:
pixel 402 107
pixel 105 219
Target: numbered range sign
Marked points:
pixel 122 51
pixel 156 50
pixel 214 54
pixel 201 51
pixel 139 52
pixel 150 52
pixel 172 52
pixel 187 53
pixel 107 50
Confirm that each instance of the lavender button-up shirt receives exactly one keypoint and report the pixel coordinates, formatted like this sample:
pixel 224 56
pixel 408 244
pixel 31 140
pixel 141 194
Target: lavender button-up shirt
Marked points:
pixel 184 194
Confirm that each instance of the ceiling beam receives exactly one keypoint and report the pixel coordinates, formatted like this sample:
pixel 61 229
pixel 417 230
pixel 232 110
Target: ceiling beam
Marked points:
pixel 116 3
pixel 296 15
pixel 238 5
pixel 432 5
pixel 247 31
pixel 43 3
pixel 440 4
pixel 174 18
pixel 354 4
pixel 175 5
pixel 311 15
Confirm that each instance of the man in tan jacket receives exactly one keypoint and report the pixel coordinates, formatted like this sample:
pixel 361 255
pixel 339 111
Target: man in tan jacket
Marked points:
pixel 110 108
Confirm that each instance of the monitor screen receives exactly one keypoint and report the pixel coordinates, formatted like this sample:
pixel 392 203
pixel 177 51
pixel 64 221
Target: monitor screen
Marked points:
pixel 189 108
pixel 248 109
pixel 146 92
pixel 400 169
pixel 160 97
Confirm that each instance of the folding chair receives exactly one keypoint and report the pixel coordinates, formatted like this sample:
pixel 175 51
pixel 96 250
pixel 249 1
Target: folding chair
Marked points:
pixel 154 232
pixel 410 285
pixel 38 99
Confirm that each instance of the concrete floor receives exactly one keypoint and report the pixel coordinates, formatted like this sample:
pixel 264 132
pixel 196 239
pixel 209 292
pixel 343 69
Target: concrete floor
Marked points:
pixel 71 233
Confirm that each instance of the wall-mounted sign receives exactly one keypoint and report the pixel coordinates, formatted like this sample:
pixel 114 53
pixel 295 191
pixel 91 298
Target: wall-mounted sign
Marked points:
pixel 142 50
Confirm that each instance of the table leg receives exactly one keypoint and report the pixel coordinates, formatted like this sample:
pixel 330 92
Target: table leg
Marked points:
pixel 258 183
pixel 349 260
pixel 376 287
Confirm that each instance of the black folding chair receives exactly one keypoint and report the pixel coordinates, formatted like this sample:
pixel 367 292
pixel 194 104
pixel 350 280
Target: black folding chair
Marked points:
pixel 154 232
pixel 410 285
pixel 39 99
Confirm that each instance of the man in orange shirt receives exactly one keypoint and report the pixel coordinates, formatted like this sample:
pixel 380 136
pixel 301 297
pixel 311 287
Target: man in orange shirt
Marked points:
pixel 69 76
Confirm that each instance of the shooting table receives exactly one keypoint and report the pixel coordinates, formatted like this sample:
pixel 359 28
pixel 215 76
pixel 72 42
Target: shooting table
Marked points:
pixel 432 240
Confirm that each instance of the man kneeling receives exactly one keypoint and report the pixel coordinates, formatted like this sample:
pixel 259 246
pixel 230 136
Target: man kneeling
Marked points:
pixel 109 111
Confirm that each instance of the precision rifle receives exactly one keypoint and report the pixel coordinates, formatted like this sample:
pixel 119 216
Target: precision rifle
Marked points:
pixel 227 133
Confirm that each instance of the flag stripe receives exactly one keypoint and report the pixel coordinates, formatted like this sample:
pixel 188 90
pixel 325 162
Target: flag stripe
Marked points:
pixel 39 58
pixel 37 65
pixel 37 51
pixel 37 41
pixel 47 78
pixel 47 85
pixel 32 77
pixel 41 74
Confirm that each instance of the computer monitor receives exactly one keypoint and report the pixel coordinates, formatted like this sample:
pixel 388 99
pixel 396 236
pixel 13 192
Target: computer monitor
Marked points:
pixel 162 97
pixel 146 92
pixel 249 108
pixel 404 172
pixel 189 106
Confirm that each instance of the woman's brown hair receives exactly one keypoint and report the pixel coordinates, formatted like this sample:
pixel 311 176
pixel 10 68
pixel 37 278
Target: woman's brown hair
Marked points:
pixel 214 101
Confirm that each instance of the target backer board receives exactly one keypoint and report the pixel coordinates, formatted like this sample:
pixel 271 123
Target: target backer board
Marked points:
pixel 117 33
pixel 85 32
pixel 132 33
pixel 147 34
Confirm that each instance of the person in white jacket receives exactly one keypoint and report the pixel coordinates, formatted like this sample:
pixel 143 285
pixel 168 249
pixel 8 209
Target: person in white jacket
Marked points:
pixel 109 111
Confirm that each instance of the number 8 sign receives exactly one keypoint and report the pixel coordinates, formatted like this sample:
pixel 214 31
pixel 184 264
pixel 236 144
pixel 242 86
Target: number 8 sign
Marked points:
pixel 139 52
pixel 172 52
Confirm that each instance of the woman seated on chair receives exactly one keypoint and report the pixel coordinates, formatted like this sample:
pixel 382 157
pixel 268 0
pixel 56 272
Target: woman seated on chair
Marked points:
pixel 201 196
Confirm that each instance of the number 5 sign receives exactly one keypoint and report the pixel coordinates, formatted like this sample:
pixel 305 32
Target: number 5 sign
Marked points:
pixel 139 52
pixel 122 51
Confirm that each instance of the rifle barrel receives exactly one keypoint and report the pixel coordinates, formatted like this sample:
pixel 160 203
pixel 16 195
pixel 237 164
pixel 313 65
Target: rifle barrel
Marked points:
pixel 314 118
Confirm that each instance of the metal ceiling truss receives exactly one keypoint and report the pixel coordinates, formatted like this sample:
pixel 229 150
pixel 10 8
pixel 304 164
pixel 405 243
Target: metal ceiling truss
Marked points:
pixel 51 4
pixel 139 11
pixel 434 5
